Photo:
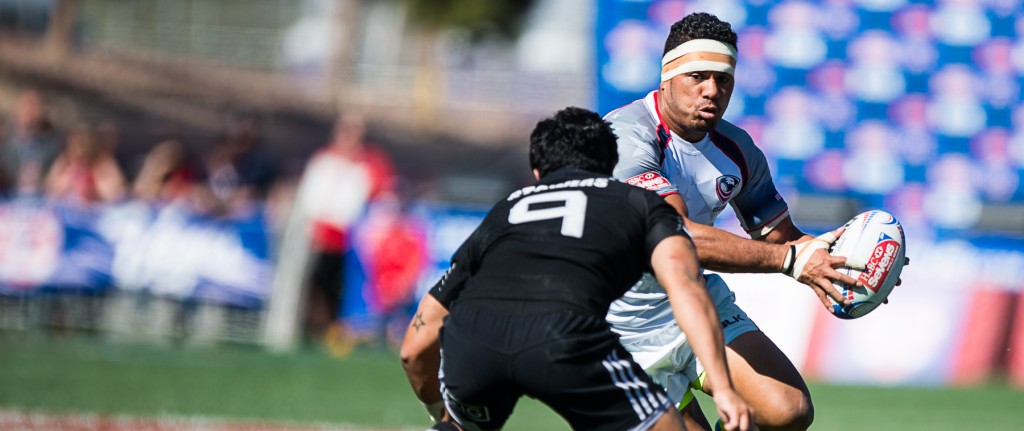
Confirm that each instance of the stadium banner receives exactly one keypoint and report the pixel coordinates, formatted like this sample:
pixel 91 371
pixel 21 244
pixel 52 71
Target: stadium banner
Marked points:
pixel 166 251
pixel 629 44
pixel 44 246
pixel 1016 345
pixel 981 336
pixel 911 107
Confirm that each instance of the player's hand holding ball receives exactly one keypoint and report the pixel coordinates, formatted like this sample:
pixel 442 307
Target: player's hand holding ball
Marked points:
pixel 810 263
pixel 874 247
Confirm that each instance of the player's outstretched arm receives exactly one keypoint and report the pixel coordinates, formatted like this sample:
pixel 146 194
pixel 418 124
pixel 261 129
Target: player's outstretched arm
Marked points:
pixel 675 265
pixel 421 354
pixel 722 251
pixel 784 250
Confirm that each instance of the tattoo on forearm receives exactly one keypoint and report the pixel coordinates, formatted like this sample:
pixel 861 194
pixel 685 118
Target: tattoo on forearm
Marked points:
pixel 417 322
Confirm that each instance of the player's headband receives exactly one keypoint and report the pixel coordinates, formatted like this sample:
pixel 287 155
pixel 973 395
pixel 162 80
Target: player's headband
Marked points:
pixel 698 55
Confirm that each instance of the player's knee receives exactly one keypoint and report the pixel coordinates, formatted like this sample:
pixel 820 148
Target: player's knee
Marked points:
pixel 801 415
pixel 793 413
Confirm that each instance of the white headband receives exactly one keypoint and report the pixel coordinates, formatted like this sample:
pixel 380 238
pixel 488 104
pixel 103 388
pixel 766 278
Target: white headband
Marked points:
pixel 709 55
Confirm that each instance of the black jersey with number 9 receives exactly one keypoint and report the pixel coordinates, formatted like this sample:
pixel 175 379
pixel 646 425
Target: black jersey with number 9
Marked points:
pixel 575 241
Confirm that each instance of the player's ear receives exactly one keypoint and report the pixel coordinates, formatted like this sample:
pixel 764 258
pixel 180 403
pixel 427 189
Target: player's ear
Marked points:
pixel 536 174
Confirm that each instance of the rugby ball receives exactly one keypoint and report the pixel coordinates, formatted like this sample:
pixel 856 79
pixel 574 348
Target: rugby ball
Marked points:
pixel 875 240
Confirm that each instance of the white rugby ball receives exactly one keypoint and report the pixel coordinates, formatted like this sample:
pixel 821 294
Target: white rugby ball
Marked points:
pixel 874 239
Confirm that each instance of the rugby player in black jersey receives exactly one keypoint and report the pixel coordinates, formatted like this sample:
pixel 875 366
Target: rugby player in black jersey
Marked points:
pixel 528 291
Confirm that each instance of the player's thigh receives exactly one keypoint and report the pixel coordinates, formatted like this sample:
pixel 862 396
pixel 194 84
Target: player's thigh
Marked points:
pixel 478 391
pixel 593 383
pixel 767 380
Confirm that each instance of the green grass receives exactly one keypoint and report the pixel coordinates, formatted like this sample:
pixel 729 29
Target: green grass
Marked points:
pixel 81 375
pixel 848 408
pixel 369 388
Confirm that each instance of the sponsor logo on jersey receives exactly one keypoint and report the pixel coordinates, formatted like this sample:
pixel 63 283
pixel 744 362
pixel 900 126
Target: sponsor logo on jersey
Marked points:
pixel 650 180
pixel 725 186
pixel 736 318
pixel 587 182
pixel 880 262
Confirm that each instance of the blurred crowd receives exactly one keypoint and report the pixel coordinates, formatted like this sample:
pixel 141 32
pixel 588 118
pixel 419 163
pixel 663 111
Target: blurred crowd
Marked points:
pixel 78 164
pixel 349 196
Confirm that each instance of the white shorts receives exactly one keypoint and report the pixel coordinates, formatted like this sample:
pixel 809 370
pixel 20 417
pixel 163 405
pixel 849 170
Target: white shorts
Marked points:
pixel 666 355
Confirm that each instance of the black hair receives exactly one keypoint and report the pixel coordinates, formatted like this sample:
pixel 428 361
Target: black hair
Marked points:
pixel 573 137
pixel 699 25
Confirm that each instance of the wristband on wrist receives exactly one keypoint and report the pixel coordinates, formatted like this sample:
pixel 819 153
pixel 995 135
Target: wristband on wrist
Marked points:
pixel 789 261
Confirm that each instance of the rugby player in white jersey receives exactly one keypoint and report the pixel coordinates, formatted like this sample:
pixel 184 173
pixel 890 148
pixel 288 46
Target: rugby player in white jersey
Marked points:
pixel 675 142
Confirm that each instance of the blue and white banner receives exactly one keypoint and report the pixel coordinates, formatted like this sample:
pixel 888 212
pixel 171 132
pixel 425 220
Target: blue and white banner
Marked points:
pixel 134 246
pixel 44 246
pixel 628 53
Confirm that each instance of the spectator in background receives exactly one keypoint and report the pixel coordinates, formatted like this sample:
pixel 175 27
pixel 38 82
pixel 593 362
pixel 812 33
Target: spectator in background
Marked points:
pixel 338 182
pixel 238 173
pixel 28 147
pixel 84 173
pixel 166 176
pixel 108 135
pixel 394 251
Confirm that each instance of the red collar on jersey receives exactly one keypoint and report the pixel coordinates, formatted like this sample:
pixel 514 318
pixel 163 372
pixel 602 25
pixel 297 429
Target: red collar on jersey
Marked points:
pixel 664 135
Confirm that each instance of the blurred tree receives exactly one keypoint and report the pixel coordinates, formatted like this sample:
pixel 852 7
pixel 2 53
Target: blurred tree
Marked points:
pixel 480 18
pixel 432 18
pixel 60 30
pixel 345 23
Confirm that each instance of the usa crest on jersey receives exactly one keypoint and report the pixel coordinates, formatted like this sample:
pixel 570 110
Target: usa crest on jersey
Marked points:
pixel 725 186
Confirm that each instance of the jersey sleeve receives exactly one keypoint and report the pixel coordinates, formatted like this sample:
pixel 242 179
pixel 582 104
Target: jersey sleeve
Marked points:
pixel 759 206
pixel 640 159
pixel 447 289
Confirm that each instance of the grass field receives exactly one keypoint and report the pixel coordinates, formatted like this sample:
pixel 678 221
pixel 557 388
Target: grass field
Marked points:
pixel 368 389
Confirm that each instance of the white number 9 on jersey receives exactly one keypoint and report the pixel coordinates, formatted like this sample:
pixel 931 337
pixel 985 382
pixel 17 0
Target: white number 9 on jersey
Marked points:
pixel 573 210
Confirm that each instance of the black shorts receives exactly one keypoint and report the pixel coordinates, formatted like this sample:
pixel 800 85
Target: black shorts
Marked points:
pixel 572 363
